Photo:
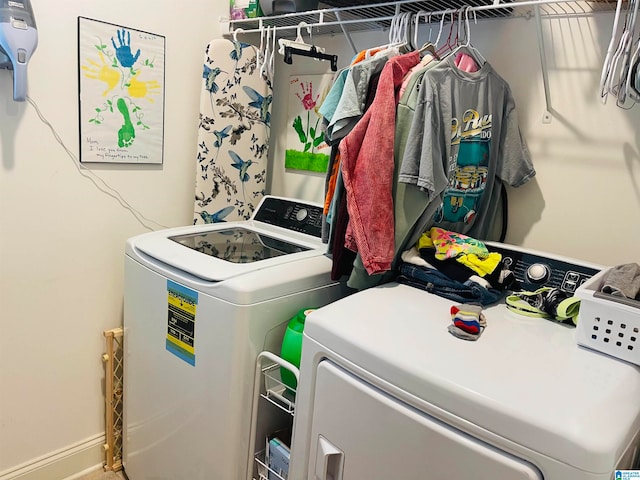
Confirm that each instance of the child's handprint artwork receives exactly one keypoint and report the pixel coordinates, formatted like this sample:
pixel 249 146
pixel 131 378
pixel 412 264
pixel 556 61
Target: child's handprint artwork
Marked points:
pixel 121 93
pixel 306 146
pixel 309 136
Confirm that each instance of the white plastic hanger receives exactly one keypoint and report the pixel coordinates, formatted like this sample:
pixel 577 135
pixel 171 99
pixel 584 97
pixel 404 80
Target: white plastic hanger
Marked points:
pixel 607 67
pixel 448 46
pixel 260 54
pixel 268 61
pixel 299 42
pixel 631 82
pixel 475 53
pixel 440 30
pixel 396 34
pixel 265 53
pixel 614 83
pixel 235 33
pixel 427 46
pixel 272 55
pixel 626 66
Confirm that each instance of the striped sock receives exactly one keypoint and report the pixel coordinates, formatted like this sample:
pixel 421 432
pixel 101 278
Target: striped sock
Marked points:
pixel 468 318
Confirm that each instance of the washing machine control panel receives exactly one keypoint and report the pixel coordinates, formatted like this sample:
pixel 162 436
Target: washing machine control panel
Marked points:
pixel 533 271
pixel 291 214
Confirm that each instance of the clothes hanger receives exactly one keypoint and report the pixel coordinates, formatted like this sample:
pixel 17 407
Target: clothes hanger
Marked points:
pixel 235 33
pixel 272 54
pixel 405 30
pixel 613 84
pixel 607 64
pixel 633 75
pixel 624 82
pixel 260 53
pixel 427 46
pixel 299 42
pixel 475 53
pixel 464 44
pixel 440 30
pixel 289 48
pixel 616 67
pixel 313 53
pixel 396 34
pixel 264 67
pixel 267 68
pixel 446 49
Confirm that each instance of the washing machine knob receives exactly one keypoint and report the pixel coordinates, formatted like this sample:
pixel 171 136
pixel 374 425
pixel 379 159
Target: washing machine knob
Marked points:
pixel 302 214
pixel 538 273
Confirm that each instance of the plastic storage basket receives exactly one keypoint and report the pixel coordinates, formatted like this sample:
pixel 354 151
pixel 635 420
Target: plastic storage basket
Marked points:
pixel 606 324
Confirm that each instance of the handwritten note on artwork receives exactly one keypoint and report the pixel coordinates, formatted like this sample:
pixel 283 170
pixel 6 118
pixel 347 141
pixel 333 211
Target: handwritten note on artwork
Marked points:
pixel 121 73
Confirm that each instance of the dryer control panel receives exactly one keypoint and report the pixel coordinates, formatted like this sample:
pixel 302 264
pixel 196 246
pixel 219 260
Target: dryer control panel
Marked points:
pixel 533 271
pixel 290 214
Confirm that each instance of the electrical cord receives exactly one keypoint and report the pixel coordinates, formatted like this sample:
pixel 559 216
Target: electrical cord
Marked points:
pixel 99 183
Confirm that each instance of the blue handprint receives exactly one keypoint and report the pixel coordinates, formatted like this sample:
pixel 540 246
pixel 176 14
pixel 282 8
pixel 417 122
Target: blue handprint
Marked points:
pixel 123 52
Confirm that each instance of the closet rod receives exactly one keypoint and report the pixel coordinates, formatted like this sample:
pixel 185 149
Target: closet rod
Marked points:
pixel 374 16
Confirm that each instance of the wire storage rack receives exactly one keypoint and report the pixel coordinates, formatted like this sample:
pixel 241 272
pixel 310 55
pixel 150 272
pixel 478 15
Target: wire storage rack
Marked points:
pixel 269 387
pixel 332 19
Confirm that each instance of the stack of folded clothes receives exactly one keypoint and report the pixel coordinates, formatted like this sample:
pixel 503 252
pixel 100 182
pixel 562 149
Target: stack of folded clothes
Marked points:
pixel 457 267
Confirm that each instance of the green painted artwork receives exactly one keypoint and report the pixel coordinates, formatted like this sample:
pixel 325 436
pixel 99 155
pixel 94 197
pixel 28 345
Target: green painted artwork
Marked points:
pixel 306 146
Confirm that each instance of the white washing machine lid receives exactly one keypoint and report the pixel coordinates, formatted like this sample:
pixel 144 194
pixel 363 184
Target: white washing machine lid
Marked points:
pixel 279 232
pixel 220 251
pixel 525 379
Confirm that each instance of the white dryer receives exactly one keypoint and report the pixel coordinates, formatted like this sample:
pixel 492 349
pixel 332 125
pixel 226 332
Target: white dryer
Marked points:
pixel 387 392
pixel 200 303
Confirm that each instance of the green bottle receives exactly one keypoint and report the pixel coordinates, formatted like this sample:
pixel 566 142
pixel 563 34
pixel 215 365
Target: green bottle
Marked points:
pixel 292 347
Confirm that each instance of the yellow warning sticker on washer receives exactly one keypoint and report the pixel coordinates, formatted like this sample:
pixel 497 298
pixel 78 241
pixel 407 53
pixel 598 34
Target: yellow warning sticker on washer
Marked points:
pixel 181 321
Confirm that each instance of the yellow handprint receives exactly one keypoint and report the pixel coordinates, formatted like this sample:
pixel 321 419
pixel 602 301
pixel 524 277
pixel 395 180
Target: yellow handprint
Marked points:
pixel 103 72
pixel 141 89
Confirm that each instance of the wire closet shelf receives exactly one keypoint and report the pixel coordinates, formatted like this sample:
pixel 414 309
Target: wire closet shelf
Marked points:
pixel 378 16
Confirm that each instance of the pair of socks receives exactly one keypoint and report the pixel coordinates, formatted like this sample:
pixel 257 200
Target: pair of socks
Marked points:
pixel 468 321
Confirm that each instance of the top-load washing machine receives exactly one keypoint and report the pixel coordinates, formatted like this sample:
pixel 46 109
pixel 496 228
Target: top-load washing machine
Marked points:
pixel 200 303
pixel 387 392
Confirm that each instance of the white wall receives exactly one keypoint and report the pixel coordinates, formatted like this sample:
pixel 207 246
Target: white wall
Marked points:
pixel 585 200
pixel 62 239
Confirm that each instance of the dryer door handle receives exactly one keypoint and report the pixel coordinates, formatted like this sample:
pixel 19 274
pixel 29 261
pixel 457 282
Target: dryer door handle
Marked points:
pixel 329 460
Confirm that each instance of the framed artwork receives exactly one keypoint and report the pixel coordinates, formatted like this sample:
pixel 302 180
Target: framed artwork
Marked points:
pixel 121 82
pixel 305 147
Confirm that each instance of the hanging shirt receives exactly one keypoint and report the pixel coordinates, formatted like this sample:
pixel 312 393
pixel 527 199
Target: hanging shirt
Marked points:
pixel 364 54
pixel 466 63
pixel 464 141
pixel 330 102
pixel 367 170
pixel 410 203
pixel 351 105
pixel 426 60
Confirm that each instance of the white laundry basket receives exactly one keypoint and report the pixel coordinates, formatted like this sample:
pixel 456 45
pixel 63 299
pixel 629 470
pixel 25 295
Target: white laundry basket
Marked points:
pixel 608 325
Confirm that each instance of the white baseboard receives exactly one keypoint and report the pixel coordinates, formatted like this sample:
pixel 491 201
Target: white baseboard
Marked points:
pixel 67 463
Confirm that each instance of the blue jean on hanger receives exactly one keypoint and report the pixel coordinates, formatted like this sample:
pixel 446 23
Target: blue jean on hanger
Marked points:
pixel 436 282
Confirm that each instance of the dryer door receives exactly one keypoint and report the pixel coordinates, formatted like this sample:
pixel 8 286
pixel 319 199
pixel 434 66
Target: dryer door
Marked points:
pixel 360 432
